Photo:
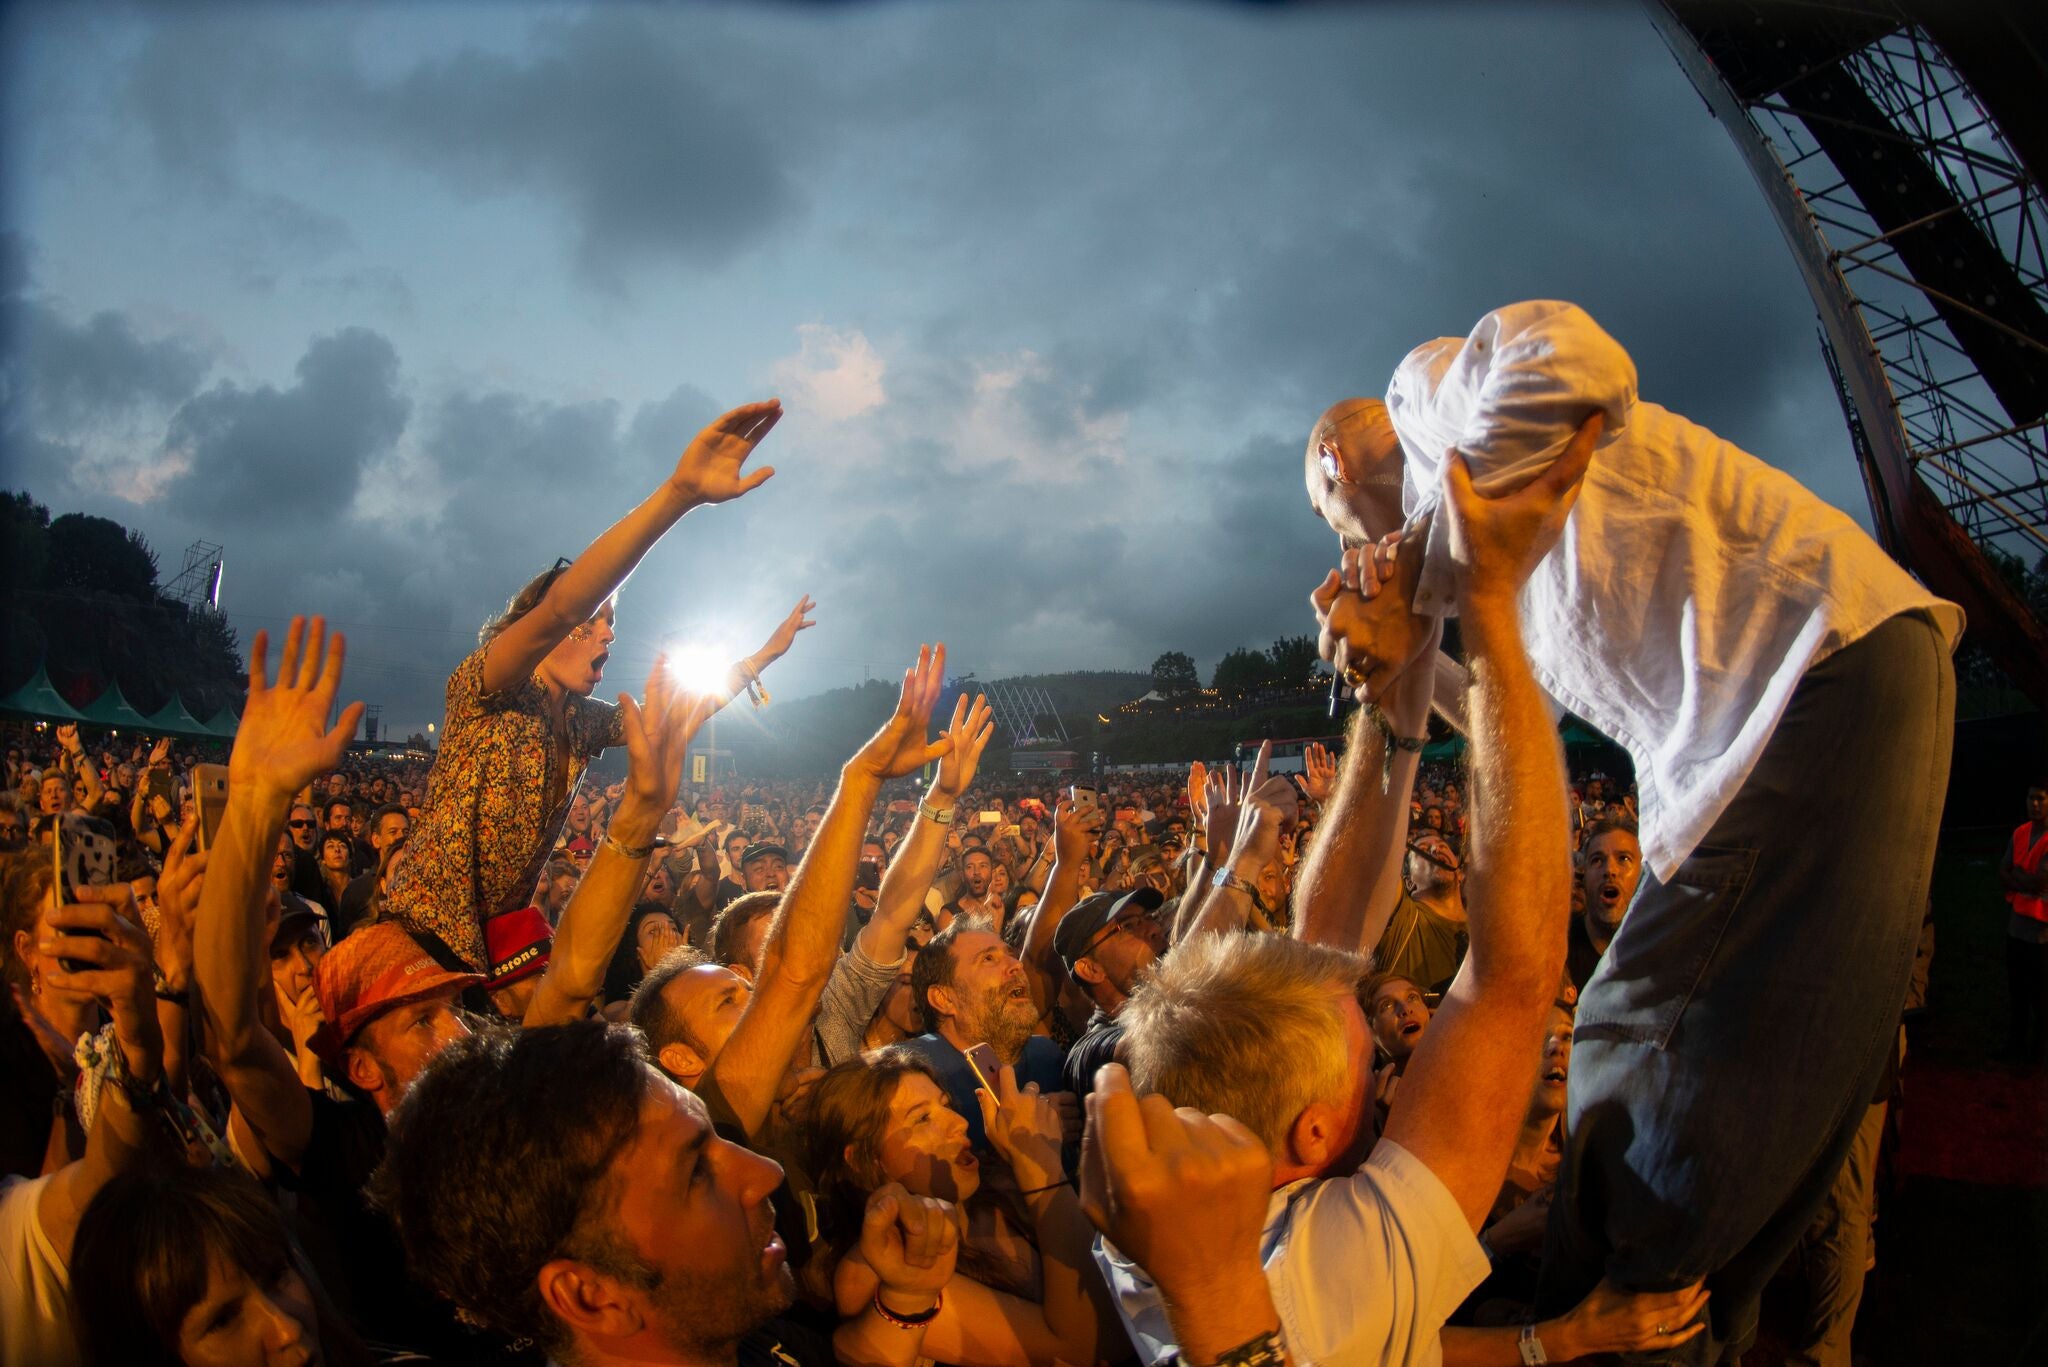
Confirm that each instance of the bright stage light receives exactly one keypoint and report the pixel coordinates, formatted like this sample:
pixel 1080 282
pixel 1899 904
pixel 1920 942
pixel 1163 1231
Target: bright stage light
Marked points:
pixel 700 669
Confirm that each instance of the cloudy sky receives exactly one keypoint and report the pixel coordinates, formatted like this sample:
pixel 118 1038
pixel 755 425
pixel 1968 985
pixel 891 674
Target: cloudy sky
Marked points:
pixel 402 303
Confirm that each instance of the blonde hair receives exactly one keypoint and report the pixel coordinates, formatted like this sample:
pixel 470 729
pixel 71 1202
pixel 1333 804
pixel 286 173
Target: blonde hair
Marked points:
pixel 1249 1026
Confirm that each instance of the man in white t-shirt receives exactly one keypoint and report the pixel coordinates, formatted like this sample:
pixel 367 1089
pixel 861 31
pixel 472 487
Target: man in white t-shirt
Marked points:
pixel 1368 1247
pixel 1762 660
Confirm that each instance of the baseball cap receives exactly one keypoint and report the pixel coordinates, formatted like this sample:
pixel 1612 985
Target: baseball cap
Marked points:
pixel 580 845
pixel 293 919
pixel 761 849
pixel 1092 915
pixel 377 967
pixel 519 943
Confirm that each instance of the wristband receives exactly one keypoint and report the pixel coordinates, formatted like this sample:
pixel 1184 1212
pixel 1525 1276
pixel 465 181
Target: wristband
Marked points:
pixel 629 851
pixel 1531 1346
pixel 1224 878
pixel 917 1321
pixel 181 996
pixel 1262 1351
pixel 938 816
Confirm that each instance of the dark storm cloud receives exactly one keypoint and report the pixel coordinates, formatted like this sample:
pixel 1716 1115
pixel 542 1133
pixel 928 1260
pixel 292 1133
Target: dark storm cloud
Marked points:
pixel 643 136
pixel 253 454
pixel 72 374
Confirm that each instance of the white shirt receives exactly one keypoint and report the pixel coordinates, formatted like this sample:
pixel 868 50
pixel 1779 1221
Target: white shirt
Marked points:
pixel 1694 585
pixel 1364 1269
pixel 35 1286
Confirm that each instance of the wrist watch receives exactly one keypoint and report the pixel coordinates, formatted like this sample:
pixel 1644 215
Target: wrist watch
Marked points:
pixel 938 816
pixel 1531 1346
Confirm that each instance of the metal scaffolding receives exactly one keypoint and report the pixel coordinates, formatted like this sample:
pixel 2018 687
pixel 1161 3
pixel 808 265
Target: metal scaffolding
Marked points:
pixel 1021 708
pixel 1923 238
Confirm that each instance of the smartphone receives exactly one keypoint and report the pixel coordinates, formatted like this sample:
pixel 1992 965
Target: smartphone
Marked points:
pixel 990 818
pixel 982 1059
pixel 1085 800
pixel 210 786
pixel 159 783
pixel 83 858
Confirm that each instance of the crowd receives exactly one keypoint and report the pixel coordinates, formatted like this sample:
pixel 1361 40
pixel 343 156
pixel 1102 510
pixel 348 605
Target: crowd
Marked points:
pixel 494 1062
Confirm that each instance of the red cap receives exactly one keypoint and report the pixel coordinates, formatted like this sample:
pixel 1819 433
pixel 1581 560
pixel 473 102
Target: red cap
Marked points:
pixel 519 943
pixel 372 970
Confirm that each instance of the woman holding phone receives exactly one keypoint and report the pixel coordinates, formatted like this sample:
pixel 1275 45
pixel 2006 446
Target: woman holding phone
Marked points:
pixel 521 723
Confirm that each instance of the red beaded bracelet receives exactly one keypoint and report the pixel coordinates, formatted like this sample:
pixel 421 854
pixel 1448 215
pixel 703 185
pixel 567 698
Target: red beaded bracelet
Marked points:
pixel 917 1321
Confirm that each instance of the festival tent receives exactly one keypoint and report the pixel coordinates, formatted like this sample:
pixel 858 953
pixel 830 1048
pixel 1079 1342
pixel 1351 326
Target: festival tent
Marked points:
pixel 224 722
pixel 38 700
pixel 111 709
pixel 172 718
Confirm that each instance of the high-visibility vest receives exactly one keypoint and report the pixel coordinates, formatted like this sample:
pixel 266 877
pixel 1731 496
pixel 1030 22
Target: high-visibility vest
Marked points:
pixel 2028 860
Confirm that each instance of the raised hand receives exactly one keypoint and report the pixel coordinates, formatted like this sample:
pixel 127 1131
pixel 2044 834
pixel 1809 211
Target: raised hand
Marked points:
pixel 1181 1193
pixel 1074 832
pixel 1496 543
pixel 658 732
pixel 67 737
pixel 709 470
pixel 160 752
pixel 1319 772
pixel 899 748
pixel 912 1243
pixel 1024 1127
pixel 284 742
pixel 104 937
pixel 785 632
pixel 1198 794
pixel 177 902
pixel 968 733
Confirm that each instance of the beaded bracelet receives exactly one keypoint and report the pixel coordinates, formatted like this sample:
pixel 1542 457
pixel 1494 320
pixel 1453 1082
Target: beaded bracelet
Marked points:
pixel 917 1321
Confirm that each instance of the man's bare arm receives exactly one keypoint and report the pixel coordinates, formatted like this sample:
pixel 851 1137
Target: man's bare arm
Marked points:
pixel 1462 1095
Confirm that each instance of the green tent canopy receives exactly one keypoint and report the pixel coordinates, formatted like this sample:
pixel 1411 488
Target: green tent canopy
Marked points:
pixel 111 709
pixel 172 718
pixel 224 722
pixel 38 700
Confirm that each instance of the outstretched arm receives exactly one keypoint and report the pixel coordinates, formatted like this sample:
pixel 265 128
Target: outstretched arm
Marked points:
pixel 658 735
pixel 803 940
pixel 282 744
pixel 1481 1050
pixel 1072 833
pixel 910 873
pixel 708 472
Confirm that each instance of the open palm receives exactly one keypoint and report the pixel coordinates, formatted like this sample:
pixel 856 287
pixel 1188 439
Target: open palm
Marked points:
pixel 284 741
pixel 969 732
pixel 711 467
pixel 899 748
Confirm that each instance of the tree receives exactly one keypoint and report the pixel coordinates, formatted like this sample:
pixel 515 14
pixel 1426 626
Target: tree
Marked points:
pixel 95 554
pixel 1294 660
pixel 1174 674
pixel 1243 671
pixel 24 541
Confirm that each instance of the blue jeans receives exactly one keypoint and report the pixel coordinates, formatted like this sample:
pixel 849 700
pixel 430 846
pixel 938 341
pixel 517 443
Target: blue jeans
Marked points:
pixel 1729 1042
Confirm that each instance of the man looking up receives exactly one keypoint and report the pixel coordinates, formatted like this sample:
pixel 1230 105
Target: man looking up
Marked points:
pixel 620 1226
pixel 1776 662
pixel 1107 943
pixel 1611 866
pixel 1425 939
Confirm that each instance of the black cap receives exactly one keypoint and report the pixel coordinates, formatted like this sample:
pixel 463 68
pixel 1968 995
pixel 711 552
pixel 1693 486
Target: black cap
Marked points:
pixel 296 915
pixel 761 849
pixel 1088 918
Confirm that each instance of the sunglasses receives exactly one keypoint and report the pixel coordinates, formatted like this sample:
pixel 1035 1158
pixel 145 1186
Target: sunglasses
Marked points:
pixel 299 825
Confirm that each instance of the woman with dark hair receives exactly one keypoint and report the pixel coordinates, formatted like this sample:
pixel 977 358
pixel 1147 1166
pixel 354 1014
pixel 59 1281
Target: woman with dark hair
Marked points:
pixel 1026 1289
pixel 191 1267
pixel 521 724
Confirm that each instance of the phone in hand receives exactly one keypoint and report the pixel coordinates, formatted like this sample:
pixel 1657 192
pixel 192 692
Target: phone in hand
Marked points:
pixel 83 858
pixel 982 1059
pixel 993 818
pixel 1085 800
pixel 210 787
pixel 158 784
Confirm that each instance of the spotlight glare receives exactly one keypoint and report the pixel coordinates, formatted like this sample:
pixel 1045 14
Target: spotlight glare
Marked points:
pixel 700 669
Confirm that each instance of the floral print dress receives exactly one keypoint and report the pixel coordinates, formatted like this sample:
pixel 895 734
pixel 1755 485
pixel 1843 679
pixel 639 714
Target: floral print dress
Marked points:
pixel 496 800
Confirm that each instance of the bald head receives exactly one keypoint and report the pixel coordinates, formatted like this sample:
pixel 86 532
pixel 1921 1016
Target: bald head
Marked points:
pixel 1353 470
